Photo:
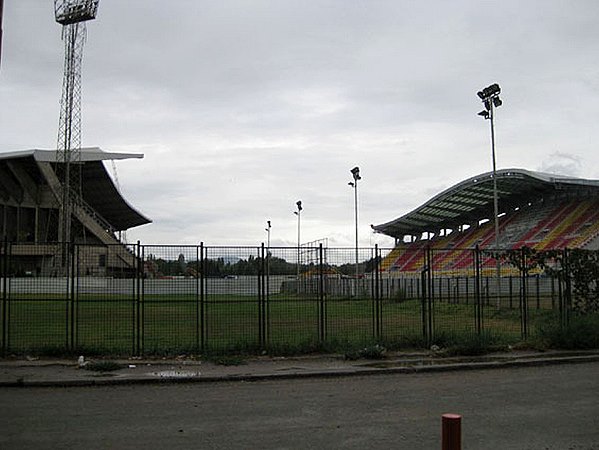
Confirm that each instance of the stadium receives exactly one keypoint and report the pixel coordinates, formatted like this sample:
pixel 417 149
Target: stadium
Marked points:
pixel 30 189
pixel 445 277
pixel 537 210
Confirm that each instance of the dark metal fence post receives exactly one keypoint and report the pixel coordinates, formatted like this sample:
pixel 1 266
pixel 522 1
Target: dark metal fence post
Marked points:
pixel 267 297
pixel 70 320
pixel 553 293
pixel 75 266
pixel 377 293
pixel 202 275
pixel 538 290
pixel 4 275
pixel 423 302
pixel 141 308
pixel 322 332
pixel 568 288
pixel 261 297
pixel 430 288
pixel 477 293
pixel 197 300
pixel 524 301
pixel 138 274
pixel 560 297
pixel 511 288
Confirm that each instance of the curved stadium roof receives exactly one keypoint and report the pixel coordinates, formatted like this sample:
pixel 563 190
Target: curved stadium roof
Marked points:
pixel 99 190
pixel 472 200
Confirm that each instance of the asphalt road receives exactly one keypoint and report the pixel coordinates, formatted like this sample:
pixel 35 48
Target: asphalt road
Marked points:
pixel 551 407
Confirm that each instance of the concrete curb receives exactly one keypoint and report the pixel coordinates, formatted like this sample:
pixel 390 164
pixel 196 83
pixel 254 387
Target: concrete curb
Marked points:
pixel 304 374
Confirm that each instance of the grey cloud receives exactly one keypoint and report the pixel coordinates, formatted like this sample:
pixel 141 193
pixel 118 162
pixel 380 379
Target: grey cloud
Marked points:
pixel 244 107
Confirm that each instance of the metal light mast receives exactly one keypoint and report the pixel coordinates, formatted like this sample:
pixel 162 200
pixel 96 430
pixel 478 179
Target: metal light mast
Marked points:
pixel 354 184
pixel 491 100
pixel 72 15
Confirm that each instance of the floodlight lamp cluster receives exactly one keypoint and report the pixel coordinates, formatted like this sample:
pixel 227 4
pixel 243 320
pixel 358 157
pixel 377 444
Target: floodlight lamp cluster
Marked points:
pixel 67 12
pixel 490 98
pixel 356 173
pixel 299 206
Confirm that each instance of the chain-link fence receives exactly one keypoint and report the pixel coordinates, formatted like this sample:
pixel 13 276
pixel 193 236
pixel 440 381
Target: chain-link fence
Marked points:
pixel 155 299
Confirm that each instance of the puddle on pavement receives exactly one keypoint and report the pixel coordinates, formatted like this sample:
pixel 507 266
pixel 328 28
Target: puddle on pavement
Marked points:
pixel 427 362
pixel 175 374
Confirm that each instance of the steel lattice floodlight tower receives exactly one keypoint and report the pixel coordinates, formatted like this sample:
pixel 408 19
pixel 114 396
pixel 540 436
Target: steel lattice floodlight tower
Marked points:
pixel 72 15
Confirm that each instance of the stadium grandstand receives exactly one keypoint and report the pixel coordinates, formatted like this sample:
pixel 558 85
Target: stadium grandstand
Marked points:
pixel 30 193
pixel 537 210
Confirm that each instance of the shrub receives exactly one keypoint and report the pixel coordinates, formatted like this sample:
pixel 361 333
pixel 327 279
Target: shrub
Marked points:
pixel 580 333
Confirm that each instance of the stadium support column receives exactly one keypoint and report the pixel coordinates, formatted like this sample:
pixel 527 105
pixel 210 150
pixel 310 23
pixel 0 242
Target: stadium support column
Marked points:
pixel 491 100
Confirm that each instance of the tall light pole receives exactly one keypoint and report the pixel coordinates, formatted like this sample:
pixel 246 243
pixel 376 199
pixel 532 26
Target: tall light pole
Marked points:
pixel 354 184
pixel 298 213
pixel 267 229
pixel 491 100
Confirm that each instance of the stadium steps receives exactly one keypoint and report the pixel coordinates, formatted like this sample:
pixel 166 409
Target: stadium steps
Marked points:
pixel 552 216
pixel 87 218
pixel 445 260
pixel 575 229
pixel 411 257
pixel 390 259
pixel 487 240
pixel 589 230
pixel 555 237
pixel 524 220
pixel 463 259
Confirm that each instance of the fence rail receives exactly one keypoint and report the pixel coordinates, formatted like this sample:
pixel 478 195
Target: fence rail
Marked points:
pixel 166 299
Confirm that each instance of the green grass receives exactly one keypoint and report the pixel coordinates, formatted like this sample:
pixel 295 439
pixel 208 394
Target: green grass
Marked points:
pixel 580 333
pixel 180 324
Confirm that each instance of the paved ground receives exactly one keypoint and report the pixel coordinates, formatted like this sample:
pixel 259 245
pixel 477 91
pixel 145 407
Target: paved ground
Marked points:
pixel 61 372
pixel 519 407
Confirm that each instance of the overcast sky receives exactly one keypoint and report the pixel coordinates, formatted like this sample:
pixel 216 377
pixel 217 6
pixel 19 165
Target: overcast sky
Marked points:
pixel 241 108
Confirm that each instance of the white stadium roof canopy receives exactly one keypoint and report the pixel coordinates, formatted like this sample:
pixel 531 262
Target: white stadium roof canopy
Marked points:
pixel 472 200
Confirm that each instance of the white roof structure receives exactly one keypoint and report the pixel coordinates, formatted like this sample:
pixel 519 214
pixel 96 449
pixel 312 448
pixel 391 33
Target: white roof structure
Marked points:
pixel 98 188
pixel 472 200
pixel 87 154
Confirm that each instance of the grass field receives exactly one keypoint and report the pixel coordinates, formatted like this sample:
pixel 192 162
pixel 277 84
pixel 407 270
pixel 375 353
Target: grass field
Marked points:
pixel 170 324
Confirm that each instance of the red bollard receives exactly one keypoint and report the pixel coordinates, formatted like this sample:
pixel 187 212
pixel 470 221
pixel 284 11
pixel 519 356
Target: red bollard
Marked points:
pixel 451 431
